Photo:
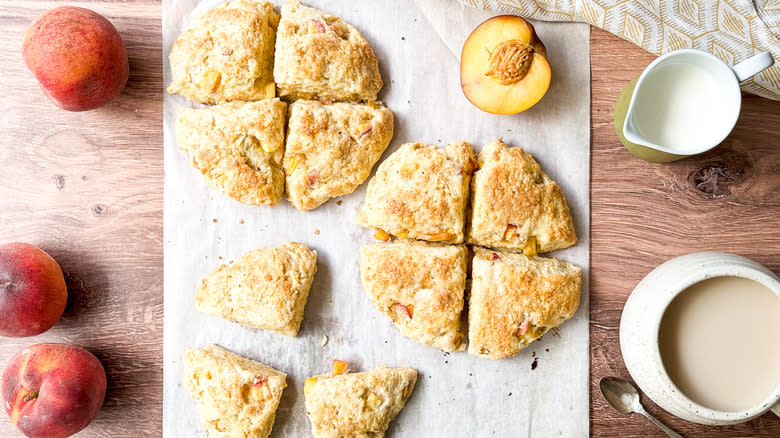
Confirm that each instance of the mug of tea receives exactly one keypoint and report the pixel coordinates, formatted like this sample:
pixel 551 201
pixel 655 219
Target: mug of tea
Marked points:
pixel 684 103
pixel 699 335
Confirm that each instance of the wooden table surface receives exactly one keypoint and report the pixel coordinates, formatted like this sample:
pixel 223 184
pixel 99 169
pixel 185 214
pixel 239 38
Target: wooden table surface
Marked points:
pixel 87 187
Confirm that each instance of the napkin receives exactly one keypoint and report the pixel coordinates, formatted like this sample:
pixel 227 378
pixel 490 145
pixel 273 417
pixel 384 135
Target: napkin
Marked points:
pixel 732 30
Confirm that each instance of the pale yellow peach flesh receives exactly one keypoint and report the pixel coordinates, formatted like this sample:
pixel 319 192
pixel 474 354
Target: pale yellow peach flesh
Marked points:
pixel 487 92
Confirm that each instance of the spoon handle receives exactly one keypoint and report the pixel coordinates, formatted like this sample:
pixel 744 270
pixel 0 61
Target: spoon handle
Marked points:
pixel 662 426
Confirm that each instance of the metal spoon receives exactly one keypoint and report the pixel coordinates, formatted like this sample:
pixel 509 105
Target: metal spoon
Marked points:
pixel 624 397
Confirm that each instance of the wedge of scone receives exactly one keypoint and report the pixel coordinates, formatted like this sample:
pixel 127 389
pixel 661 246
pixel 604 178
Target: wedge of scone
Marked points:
pixel 420 192
pixel 331 149
pixel 515 299
pixel 319 55
pixel 238 147
pixel 236 396
pixel 266 288
pixel 226 53
pixel 356 404
pixel 515 205
pixel 420 286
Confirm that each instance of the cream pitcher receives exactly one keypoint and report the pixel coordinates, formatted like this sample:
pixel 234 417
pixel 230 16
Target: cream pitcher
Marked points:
pixel 686 102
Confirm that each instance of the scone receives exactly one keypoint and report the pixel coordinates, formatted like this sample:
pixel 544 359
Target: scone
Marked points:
pixel 236 397
pixel 226 53
pixel 420 286
pixel 515 299
pixel 420 192
pixel 357 404
pixel 266 288
pixel 321 56
pixel 331 149
pixel 238 147
pixel 515 205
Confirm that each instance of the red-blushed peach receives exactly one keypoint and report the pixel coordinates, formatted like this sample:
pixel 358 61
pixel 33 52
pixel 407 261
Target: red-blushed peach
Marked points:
pixel 77 56
pixel 33 293
pixel 503 66
pixel 53 390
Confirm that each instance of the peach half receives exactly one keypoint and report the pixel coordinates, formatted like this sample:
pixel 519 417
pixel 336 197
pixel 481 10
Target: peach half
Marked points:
pixel 503 66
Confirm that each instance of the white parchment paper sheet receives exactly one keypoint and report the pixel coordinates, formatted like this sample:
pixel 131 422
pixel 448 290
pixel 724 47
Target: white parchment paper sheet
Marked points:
pixel 457 395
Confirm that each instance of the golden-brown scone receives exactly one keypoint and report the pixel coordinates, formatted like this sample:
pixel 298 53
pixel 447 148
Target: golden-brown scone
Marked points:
pixel 515 299
pixel 226 53
pixel 420 286
pixel 238 147
pixel 266 288
pixel 357 404
pixel 331 149
pixel 319 55
pixel 420 192
pixel 236 397
pixel 515 204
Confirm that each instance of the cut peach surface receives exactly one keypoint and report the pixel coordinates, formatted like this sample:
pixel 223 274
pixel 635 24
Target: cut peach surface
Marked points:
pixel 503 66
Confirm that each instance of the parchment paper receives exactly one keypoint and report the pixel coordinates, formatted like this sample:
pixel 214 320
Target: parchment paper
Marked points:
pixel 457 395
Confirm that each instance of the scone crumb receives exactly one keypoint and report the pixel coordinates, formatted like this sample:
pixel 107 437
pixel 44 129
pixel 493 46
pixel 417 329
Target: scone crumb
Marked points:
pixel 324 341
pixel 241 221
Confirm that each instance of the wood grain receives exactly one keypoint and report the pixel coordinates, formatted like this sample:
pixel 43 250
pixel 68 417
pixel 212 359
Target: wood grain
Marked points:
pixel 643 214
pixel 87 188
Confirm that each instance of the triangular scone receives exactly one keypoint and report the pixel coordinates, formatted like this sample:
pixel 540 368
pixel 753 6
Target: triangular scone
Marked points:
pixel 420 286
pixel 266 288
pixel 515 299
pixel 238 147
pixel 331 149
pixel 236 397
pixel 320 55
pixel 515 205
pixel 357 404
pixel 226 53
pixel 420 192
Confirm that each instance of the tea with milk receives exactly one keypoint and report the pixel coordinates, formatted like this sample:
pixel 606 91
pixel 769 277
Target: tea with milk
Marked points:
pixel 720 343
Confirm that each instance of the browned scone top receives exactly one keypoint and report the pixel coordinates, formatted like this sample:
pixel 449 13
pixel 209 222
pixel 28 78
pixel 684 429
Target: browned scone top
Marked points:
pixel 421 192
pixel 420 286
pixel 515 299
pixel 331 148
pixel 226 53
pixel 238 147
pixel 319 55
pixel 515 203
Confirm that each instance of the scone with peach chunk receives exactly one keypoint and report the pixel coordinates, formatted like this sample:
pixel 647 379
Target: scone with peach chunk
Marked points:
pixel 236 396
pixel 238 147
pixel 515 205
pixel 266 288
pixel 515 299
pixel 331 149
pixel 356 404
pixel 420 192
pixel 226 54
pixel 319 55
pixel 420 286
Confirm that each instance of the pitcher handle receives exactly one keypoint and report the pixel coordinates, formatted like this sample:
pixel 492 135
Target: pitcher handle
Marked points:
pixel 753 66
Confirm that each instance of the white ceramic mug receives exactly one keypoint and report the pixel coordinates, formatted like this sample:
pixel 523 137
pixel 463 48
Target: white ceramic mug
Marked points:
pixel 706 130
pixel 641 321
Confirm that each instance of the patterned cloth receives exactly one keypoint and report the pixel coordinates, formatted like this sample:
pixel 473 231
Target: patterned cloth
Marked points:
pixel 733 30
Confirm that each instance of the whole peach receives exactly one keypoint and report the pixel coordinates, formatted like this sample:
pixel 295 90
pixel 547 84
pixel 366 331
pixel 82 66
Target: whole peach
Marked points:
pixel 33 293
pixel 53 390
pixel 78 57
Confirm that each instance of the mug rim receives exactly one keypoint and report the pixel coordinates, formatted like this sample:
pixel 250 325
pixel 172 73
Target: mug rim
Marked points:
pixel 747 271
pixel 733 85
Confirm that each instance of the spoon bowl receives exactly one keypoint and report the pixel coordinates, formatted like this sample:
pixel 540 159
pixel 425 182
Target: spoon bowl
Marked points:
pixel 619 393
pixel 624 397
